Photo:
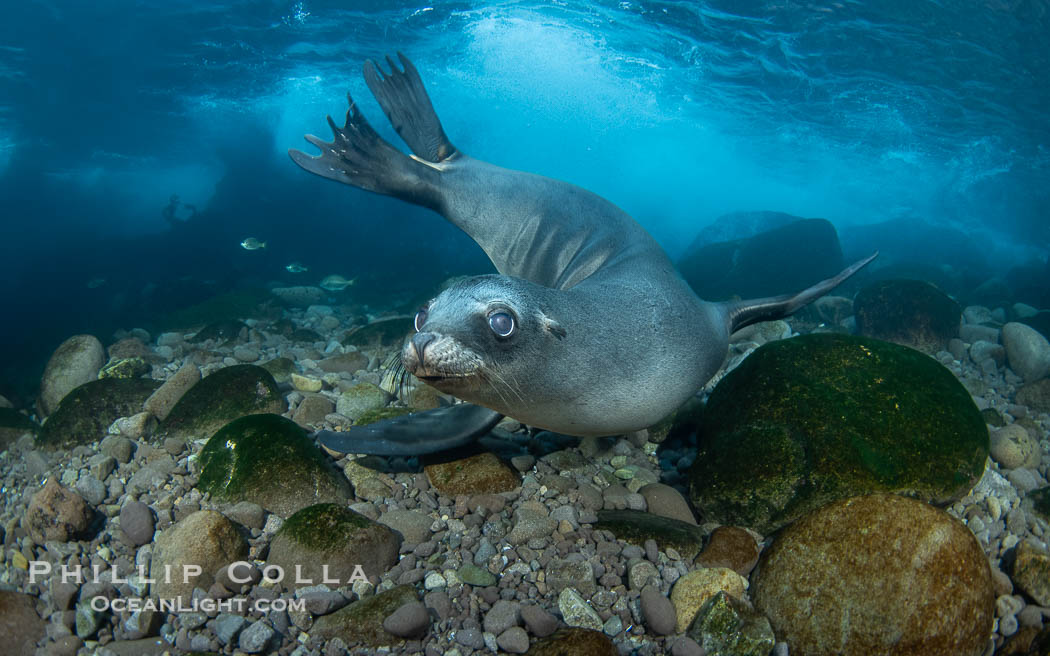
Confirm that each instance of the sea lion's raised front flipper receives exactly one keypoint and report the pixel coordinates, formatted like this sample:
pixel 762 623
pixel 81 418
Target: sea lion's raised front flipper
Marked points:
pixel 415 434
pixel 745 313
pixel 405 102
pixel 359 157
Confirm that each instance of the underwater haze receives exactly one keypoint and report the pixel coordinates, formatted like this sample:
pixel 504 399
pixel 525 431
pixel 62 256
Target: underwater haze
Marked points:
pixel 932 116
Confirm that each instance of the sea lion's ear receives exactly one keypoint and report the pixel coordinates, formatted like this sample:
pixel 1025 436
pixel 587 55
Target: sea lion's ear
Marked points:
pixel 552 326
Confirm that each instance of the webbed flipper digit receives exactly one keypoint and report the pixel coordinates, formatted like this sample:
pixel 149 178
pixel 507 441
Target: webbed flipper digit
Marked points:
pixel 415 434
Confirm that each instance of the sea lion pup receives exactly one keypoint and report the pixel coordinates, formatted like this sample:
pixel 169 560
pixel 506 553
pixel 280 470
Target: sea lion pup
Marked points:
pixel 587 329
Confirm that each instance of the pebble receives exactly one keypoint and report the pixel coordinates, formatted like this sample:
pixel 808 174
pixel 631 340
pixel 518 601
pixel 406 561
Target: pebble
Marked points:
pixel 227 626
pixel 514 640
pixel 539 622
pixel 433 581
pixel 658 611
pixel 577 612
pixel 256 637
pixel 503 615
pixel 118 447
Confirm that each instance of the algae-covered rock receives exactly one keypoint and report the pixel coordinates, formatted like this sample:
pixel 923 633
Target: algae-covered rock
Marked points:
pixel 281 369
pixel 334 537
pixel 636 527
pixel 76 361
pixel 809 420
pixel 13 425
pixel 268 460
pixel 362 621
pixel 879 574
pixel 359 399
pixel 909 312
pixel 378 414
pixel 125 368
pixel 220 331
pixel 680 422
pixel 726 626
pixel 218 399
pixel 482 473
pixel 228 307
pixel 574 641
pixel 86 412
pixel 389 331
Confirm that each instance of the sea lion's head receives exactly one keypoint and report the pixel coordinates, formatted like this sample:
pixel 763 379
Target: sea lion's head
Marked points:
pixel 478 338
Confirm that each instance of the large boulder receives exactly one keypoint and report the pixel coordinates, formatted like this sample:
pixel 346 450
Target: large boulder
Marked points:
pixel 204 540
pixel 909 312
pixel 218 399
pixel 878 574
pixel 268 460
pixel 1027 351
pixel 806 421
pixel 87 412
pixel 786 259
pixel 75 362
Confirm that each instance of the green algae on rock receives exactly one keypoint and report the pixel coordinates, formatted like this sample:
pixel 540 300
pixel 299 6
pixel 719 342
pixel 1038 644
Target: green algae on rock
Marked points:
pixel 878 574
pixel 125 368
pixel 680 422
pixel 327 541
pixel 726 626
pixel 13 425
pixel 378 414
pixel 361 398
pixel 636 527
pixel 909 312
pixel 268 460
pixel 806 421
pixel 362 621
pixel 574 641
pixel 85 413
pixel 281 369
pixel 218 399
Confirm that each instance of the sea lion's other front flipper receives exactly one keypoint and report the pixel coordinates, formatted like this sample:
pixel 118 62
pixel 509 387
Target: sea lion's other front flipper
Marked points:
pixel 359 157
pixel 405 102
pixel 745 313
pixel 415 434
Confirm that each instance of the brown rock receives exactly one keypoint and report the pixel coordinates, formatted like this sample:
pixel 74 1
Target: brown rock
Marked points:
pixel 204 539
pixel 1031 572
pixel 20 626
pixel 732 547
pixel 1035 395
pixel 877 574
pixel 311 410
pixel 130 347
pixel 160 403
pixel 56 513
pixel 574 642
pixel 483 473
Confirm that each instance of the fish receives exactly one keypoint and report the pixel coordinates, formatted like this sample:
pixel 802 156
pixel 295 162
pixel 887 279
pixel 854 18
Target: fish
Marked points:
pixel 335 283
pixel 95 283
pixel 295 267
pixel 251 244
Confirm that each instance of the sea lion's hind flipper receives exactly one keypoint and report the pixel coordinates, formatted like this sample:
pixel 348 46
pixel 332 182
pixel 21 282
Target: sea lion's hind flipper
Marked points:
pixel 405 102
pixel 415 434
pixel 359 157
pixel 745 313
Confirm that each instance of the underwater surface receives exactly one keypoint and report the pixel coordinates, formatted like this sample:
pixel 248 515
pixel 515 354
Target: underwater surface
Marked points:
pixel 184 307
pixel 679 112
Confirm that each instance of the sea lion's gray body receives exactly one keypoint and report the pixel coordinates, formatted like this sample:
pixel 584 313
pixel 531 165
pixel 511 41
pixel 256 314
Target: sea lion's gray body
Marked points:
pixel 634 341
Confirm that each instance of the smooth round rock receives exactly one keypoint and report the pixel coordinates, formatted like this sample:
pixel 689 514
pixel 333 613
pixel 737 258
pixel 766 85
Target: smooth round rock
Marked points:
pixel 136 520
pixel 1027 351
pixel 1012 446
pixel 76 361
pixel 878 574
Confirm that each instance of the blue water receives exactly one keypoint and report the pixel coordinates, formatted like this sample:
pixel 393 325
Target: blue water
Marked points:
pixel 679 112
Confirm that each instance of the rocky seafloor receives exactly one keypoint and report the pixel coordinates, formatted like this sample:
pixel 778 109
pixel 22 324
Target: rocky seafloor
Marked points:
pixel 196 453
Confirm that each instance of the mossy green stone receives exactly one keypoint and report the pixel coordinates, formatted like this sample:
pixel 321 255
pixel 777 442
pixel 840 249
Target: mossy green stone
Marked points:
pixel 268 460
pixel 992 417
pixel 87 411
pixel 231 306
pixel 1041 501
pixel 806 421
pixel 281 369
pixel 725 626
pixel 324 526
pixel 218 399
pixel 362 621
pixel 125 368
pixel 13 425
pixel 378 414
pixel 636 527
pixel 679 423
pixel 474 575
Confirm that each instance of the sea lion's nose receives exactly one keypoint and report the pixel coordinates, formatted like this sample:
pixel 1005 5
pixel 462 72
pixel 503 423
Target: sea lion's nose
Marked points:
pixel 419 343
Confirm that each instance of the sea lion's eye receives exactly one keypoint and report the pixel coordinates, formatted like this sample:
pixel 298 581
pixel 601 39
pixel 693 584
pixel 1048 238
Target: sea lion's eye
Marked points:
pixel 501 323
pixel 421 318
